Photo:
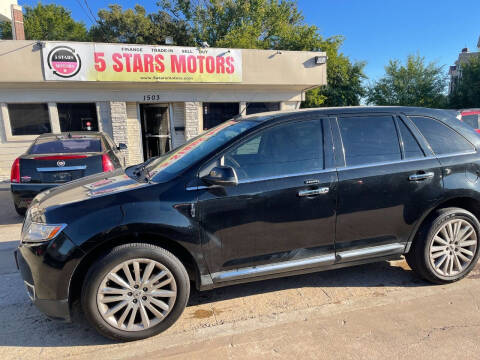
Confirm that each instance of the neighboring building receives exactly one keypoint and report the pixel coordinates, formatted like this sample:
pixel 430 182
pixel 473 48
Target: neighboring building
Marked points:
pixel 11 11
pixel 153 98
pixel 455 71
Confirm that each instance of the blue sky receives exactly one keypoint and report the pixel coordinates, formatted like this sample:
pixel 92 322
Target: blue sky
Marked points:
pixel 375 30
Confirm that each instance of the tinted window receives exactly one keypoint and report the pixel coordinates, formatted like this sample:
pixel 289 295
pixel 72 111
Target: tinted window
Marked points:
pixel 441 138
pixel 258 107
pixel 77 117
pixel 29 119
pixel 410 145
pixel 282 150
pixel 216 113
pixel 471 120
pixel 369 139
pixel 65 146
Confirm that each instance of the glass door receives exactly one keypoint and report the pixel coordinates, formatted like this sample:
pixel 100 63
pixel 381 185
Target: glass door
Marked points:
pixel 155 130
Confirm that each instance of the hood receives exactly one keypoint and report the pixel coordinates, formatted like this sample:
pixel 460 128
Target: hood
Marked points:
pixel 102 184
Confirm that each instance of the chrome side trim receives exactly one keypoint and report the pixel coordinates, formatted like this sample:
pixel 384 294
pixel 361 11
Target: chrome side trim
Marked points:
pixel 404 160
pixel 246 181
pixel 457 154
pixel 61 168
pixel 384 163
pixel 387 249
pixel 274 268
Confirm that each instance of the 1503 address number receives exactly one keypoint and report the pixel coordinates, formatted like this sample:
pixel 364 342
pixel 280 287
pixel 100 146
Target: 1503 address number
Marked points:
pixel 151 97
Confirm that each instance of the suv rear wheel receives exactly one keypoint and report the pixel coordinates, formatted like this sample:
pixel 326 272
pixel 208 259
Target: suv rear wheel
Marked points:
pixel 135 291
pixel 446 249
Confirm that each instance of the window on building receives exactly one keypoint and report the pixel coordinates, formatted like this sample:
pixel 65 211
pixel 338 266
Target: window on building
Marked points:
pixel 410 145
pixel 77 117
pixel 441 138
pixel 282 150
pixel 216 113
pixel 259 107
pixel 369 140
pixel 29 119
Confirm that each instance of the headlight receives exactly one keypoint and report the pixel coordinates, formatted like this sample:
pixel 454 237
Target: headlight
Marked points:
pixel 35 232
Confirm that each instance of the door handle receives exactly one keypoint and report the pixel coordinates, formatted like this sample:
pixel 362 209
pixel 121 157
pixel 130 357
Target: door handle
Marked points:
pixel 421 176
pixel 313 192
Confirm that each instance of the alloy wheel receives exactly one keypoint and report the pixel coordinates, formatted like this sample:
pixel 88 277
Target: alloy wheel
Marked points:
pixel 453 247
pixel 136 294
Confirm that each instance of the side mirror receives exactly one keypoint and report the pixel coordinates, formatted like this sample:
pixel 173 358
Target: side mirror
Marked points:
pixel 122 146
pixel 221 175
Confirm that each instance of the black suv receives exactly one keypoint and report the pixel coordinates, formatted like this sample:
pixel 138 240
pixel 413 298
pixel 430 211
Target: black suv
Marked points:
pixel 256 197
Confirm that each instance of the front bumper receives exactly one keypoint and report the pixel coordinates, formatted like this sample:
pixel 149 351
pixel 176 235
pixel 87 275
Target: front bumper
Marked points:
pixel 47 269
pixel 23 193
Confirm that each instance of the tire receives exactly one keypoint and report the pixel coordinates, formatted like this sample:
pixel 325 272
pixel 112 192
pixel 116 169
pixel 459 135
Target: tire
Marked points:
pixel 445 263
pixel 20 211
pixel 97 305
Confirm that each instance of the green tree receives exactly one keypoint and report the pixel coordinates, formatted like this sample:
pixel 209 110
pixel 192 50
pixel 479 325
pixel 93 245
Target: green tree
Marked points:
pixel 271 24
pixel 413 84
pixel 135 26
pixel 466 90
pixel 48 22
pixel 5 30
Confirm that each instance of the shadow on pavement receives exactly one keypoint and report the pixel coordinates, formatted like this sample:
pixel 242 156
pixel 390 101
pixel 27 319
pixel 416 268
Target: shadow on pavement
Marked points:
pixel 25 326
pixel 378 274
pixel 8 215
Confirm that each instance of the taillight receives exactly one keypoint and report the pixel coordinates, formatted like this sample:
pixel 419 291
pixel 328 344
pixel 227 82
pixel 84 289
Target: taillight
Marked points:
pixel 107 163
pixel 15 173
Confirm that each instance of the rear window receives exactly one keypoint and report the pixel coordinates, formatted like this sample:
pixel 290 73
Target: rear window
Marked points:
pixel 441 138
pixel 65 146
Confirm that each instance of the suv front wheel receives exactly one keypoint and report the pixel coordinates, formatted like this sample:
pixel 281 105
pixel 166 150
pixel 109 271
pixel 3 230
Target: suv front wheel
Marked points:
pixel 446 248
pixel 135 291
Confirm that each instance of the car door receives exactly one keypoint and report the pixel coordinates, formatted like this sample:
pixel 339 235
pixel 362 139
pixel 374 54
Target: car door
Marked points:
pixel 388 178
pixel 283 208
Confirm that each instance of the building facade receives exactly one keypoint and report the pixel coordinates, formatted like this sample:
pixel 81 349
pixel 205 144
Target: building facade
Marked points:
pixel 152 98
pixel 455 71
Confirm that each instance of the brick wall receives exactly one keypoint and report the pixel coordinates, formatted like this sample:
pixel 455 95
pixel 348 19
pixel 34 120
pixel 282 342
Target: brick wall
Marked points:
pixel 18 31
pixel 178 137
pixel 118 113
pixel 193 117
pixel 134 135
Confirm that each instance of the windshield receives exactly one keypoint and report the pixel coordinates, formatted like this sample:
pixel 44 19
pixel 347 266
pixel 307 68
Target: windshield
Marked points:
pixel 165 167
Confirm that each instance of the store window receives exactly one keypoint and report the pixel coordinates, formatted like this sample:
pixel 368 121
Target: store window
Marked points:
pixel 259 107
pixel 216 113
pixel 77 117
pixel 29 119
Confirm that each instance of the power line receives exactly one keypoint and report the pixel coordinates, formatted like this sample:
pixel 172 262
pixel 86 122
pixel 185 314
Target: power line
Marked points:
pixel 90 10
pixel 92 20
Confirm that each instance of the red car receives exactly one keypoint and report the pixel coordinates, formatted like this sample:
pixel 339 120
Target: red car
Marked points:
pixel 472 118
